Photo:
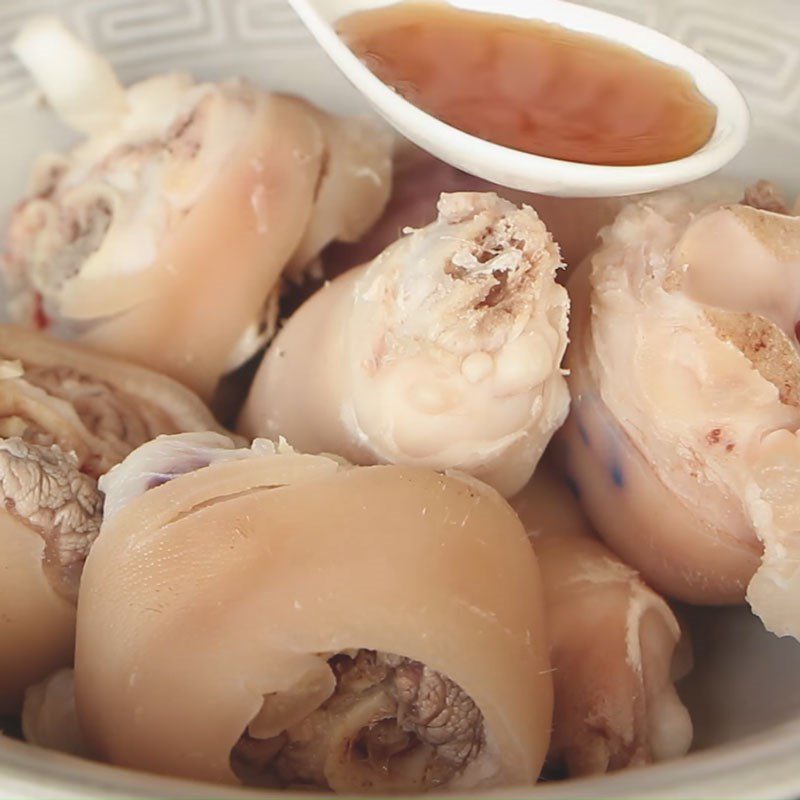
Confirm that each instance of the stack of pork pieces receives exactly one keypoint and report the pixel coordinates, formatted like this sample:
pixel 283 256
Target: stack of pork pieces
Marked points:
pixel 475 442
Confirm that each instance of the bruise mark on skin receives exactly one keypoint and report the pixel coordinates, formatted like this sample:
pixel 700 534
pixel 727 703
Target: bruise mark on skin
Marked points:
pixel 573 486
pixel 159 480
pixel 616 475
pixel 187 465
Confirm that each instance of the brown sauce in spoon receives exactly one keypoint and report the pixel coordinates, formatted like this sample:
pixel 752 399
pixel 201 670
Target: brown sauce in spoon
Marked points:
pixel 533 86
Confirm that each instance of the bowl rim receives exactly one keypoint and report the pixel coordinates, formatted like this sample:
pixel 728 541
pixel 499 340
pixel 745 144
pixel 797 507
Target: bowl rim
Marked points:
pixel 733 770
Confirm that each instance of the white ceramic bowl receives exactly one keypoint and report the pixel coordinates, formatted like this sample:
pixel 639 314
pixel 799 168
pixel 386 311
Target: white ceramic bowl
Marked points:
pixel 745 690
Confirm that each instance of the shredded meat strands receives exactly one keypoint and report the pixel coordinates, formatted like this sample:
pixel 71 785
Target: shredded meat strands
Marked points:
pixel 67 417
pixel 391 715
pixel 44 487
pixel 108 412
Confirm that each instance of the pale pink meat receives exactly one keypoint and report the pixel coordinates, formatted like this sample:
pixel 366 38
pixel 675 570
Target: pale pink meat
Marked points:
pixel 66 416
pixel 444 351
pixel 163 235
pixel 612 643
pixel 292 620
pixel 683 373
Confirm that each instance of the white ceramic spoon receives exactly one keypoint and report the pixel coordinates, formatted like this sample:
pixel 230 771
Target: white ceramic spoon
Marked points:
pixel 528 172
